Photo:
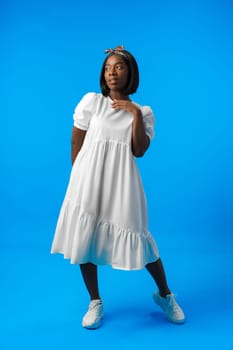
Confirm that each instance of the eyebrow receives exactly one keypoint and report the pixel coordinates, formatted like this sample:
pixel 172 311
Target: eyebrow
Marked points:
pixel 107 64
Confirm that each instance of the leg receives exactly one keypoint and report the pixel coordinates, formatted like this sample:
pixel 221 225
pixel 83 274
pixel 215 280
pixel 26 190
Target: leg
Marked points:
pixel 164 298
pixel 95 313
pixel 89 273
pixel 157 272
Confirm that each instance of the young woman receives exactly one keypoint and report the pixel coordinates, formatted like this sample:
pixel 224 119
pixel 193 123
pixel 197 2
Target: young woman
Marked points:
pixel 103 219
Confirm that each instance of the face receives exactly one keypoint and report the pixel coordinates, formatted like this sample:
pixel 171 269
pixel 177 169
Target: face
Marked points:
pixel 116 73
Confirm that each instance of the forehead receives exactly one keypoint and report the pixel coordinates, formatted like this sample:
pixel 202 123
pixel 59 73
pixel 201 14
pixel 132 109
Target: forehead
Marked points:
pixel 113 59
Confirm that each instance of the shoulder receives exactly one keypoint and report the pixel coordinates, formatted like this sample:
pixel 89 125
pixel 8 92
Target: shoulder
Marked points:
pixel 89 97
pixel 85 109
pixel 88 101
pixel 146 110
pixel 148 119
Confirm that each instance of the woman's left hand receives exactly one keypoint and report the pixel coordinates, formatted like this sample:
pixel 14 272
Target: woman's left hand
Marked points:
pixel 140 141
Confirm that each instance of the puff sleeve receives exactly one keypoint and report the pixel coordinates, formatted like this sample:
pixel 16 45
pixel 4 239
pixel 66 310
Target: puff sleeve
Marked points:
pixel 148 121
pixel 84 111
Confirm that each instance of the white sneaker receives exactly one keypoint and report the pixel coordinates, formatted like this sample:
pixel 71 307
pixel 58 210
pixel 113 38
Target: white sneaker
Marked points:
pixel 170 307
pixel 92 319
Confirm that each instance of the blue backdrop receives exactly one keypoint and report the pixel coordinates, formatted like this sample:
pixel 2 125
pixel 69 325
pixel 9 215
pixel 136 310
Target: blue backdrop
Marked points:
pixel 51 54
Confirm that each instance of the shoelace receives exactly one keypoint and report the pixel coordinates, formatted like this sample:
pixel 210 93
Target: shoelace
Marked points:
pixel 173 305
pixel 94 307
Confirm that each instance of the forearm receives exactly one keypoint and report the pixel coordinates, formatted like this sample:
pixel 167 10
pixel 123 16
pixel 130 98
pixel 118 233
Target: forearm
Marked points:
pixel 140 141
pixel 77 140
pixel 74 152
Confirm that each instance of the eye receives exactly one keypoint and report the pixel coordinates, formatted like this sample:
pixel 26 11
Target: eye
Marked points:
pixel 107 68
pixel 120 67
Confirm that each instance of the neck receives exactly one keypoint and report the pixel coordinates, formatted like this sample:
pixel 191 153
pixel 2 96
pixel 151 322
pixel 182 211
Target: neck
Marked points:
pixel 115 95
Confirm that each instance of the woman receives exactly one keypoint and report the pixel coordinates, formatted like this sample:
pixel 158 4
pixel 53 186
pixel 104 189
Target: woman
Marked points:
pixel 103 219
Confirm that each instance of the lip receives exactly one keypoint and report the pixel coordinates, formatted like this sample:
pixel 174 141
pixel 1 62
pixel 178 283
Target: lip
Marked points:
pixel 113 81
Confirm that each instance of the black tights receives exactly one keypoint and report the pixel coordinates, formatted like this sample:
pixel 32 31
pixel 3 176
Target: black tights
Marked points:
pixel 90 276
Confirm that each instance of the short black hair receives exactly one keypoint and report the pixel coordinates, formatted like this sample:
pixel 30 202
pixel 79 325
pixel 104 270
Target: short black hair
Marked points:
pixel 133 78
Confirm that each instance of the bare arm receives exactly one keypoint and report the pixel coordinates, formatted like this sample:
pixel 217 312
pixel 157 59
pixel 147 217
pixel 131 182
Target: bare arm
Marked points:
pixel 140 140
pixel 77 139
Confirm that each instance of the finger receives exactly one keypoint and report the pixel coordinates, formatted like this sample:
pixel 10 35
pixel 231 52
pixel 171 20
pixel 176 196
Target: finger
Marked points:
pixel 115 105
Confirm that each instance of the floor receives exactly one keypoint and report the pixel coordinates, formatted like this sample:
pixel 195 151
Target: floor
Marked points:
pixel 43 298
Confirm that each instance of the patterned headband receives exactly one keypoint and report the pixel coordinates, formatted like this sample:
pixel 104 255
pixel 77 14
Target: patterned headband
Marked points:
pixel 118 50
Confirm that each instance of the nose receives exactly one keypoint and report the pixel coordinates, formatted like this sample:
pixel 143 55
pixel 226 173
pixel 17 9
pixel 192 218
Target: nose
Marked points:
pixel 112 70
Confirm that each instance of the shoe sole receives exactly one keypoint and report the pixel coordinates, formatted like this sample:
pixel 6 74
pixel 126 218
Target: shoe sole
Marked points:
pixel 94 326
pixel 175 322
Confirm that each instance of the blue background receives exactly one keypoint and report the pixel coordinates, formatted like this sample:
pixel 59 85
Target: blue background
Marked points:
pixel 51 54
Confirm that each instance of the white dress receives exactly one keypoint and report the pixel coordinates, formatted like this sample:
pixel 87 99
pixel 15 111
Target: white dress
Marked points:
pixel 103 218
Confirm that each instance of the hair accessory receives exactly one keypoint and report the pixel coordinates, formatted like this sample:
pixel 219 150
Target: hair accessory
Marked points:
pixel 117 49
